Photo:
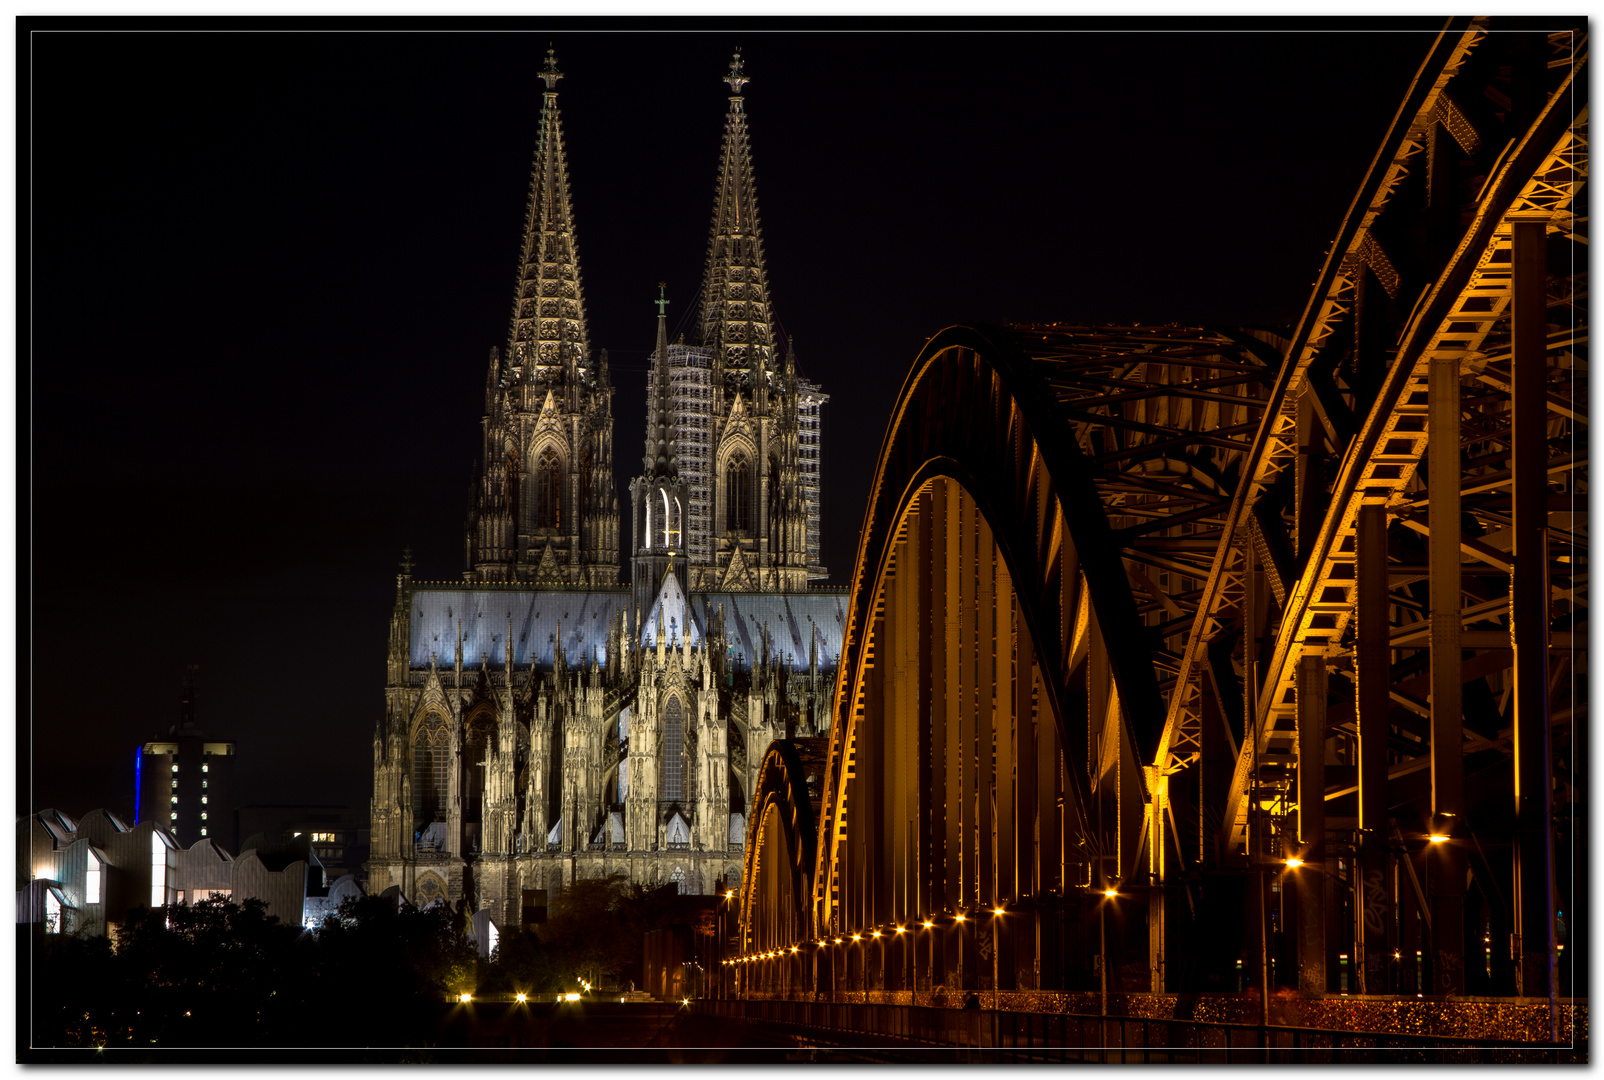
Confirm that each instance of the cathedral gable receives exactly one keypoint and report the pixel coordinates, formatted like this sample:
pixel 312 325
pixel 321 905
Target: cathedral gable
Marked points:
pixel 738 575
pixel 549 571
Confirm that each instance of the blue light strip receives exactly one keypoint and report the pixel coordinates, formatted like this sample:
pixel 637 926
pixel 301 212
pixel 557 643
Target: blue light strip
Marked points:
pixel 139 753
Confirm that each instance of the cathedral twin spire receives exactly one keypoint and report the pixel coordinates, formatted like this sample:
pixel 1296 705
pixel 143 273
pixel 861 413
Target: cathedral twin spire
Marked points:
pixel 735 317
pixel 548 319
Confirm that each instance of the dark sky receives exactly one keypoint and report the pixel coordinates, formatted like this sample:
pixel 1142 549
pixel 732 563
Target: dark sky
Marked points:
pixel 266 269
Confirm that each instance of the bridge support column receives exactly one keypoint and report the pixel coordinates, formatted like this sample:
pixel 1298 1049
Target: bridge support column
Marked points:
pixel 1310 879
pixel 1373 662
pixel 1529 611
pixel 1447 684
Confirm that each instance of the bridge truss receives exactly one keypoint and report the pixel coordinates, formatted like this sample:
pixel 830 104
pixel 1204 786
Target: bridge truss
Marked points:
pixel 1189 658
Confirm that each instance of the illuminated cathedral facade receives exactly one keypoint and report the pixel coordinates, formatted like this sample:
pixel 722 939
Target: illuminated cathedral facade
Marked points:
pixel 545 722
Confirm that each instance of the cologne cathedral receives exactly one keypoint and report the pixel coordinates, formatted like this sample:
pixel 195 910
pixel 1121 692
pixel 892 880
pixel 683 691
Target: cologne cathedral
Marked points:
pixel 545 722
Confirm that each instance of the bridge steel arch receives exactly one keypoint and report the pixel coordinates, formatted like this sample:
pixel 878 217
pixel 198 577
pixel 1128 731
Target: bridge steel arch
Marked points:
pixel 1274 641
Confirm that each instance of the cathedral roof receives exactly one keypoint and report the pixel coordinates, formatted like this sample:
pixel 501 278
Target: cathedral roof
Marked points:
pixel 548 318
pixel 735 312
pixel 670 609
pixel 584 618
pixel 788 620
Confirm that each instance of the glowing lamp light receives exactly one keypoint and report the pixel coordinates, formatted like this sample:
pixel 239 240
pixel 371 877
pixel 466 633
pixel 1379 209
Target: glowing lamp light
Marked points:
pixel 523 997
pixel 838 941
pixel 1110 893
pixel 900 929
pixel 1294 862
pixel 928 924
pixel 996 911
pixel 793 948
pixel 857 937
pixel 465 998
pixel 1437 838
pixel 570 996
pixel 958 918
pixel 730 895
pixel 876 933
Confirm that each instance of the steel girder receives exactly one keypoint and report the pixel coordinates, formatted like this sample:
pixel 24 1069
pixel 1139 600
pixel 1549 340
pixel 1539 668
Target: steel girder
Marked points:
pixel 1242 525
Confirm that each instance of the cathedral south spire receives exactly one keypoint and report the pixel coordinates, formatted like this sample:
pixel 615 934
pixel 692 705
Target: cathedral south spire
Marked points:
pixel 548 331
pixel 735 316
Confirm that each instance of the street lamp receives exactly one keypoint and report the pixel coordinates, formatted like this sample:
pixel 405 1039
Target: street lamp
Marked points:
pixel 1109 895
pixel 996 942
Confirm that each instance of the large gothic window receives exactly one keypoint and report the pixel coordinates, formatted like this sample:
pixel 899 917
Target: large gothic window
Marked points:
pixel 738 495
pixel 673 752
pixel 510 485
pixel 430 753
pixel 548 490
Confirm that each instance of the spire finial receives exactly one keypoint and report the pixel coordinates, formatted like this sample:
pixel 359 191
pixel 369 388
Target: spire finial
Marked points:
pixel 736 78
pixel 550 75
pixel 406 561
pixel 661 301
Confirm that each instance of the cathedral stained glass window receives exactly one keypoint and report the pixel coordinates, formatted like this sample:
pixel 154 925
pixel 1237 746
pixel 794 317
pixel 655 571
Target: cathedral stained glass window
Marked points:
pixel 738 495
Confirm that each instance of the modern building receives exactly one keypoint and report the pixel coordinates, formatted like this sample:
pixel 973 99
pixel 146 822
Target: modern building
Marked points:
pixel 336 835
pixel 543 721
pixel 86 875
pixel 185 782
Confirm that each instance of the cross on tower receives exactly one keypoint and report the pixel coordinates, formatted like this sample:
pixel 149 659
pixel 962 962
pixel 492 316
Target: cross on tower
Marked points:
pixel 736 78
pixel 551 74
pixel 406 561
pixel 661 301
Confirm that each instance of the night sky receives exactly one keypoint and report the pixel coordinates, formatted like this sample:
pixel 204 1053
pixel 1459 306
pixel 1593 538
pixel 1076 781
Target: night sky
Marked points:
pixel 265 271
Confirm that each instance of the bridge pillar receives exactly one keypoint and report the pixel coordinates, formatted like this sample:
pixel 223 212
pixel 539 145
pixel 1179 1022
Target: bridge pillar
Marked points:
pixel 1447 683
pixel 1309 880
pixel 1529 611
pixel 1373 664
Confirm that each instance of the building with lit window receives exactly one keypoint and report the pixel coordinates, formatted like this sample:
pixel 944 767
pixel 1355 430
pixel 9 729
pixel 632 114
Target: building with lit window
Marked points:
pixel 185 782
pixel 544 722
pixel 336 835
pixel 85 875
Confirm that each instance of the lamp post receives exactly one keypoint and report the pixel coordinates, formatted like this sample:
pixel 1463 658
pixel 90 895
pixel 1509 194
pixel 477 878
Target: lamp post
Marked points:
pixel 996 943
pixel 1109 894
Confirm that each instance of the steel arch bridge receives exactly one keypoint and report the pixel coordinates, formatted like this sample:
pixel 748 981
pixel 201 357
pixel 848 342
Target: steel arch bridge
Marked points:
pixel 1185 658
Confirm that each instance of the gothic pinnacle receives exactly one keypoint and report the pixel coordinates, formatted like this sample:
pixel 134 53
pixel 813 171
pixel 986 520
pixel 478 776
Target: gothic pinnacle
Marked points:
pixel 665 461
pixel 737 78
pixel 735 315
pixel 548 319
pixel 549 75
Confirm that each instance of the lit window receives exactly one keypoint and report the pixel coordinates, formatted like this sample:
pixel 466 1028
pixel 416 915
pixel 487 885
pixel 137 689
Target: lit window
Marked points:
pixel 175 798
pixel 158 871
pixel 203 815
pixel 92 879
pixel 175 768
pixel 173 815
pixel 203 800
pixel 203 783
pixel 204 768
pixel 175 784
pixel 203 830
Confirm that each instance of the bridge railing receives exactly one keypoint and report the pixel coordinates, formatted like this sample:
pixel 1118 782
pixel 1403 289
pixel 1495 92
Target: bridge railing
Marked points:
pixel 1072 1037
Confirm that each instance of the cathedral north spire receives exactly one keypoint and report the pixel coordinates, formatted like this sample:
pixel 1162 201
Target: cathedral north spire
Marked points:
pixel 548 321
pixel 735 315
